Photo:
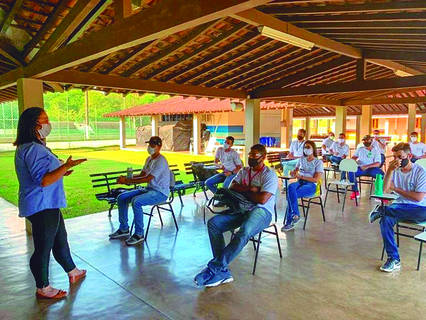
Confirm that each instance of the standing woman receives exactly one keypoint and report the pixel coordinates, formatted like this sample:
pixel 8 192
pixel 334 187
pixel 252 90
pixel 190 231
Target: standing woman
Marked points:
pixel 41 195
pixel 308 172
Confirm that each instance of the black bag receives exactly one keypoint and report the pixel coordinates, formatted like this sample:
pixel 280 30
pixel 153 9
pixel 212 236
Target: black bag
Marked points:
pixel 235 201
pixel 201 172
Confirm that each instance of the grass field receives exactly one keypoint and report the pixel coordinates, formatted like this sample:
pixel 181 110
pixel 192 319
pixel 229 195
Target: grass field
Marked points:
pixel 78 188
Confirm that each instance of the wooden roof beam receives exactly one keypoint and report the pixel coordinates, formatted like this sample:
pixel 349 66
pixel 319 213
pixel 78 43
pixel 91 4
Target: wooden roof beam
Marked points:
pixel 11 53
pixel 7 20
pixel 122 83
pixel 395 55
pixel 258 18
pixel 400 16
pixel 163 19
pixel 355 102
pixel 412 82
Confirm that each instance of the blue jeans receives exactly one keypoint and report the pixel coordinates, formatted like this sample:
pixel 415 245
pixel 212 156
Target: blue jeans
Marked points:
pixel 138 198
pixel 336 159
pixel 413 160
pixel 218 178
pixel 371 172
pixel 297 190
pixel 249 225
pixel 395 213
pixel 383 159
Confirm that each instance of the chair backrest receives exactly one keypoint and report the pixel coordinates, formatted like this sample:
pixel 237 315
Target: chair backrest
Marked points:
pixel 348 165
pixel 422 162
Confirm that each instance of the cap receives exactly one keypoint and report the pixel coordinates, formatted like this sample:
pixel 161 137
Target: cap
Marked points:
pixel 155 140
pixel 367 137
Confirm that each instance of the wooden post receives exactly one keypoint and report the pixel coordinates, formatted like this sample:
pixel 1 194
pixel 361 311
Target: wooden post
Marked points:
pixel 155 120
pixel 86 122
pixel 196 133
pixel 411 118
pixel 357 130
pixel 366 119
pixel 30 94
pixel 314 129
pixel 251 125
pixel 122 132
pixel 286 127
pixel 308 127
pixel 423 128
pixel 340 125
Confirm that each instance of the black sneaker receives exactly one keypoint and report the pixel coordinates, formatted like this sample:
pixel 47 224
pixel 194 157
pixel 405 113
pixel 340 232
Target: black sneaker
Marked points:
pixel 120 234
pixel 134 240
pixel 377 213
pixel 219 204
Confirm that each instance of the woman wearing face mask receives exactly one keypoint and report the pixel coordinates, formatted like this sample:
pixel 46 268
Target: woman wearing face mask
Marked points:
pixel 418 149
pixel 41 195
pixel 156 173
pixel 308 172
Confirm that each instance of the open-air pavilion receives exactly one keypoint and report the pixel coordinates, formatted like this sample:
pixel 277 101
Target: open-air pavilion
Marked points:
pixel 315 57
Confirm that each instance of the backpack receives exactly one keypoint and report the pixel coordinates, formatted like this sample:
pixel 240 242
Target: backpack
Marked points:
pixel 201 172
pixel 235 201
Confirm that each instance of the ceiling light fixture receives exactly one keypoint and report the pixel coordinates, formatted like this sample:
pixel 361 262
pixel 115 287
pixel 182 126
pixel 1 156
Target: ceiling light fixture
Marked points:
pixel 285 37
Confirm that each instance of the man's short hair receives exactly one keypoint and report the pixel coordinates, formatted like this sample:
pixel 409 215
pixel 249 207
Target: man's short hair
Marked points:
pixel 376 130
pixel 414 133
pixel 402 146
pixel 259 148
pixel 342 134
pixel 230 138
pixel 303 130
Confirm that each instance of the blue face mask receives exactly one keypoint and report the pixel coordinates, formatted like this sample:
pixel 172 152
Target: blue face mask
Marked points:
pixel 226 146
pixel 150 150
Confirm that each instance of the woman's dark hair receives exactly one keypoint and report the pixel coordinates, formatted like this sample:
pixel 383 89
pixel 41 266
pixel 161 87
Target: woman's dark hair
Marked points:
pixel 27 123
pixel 313 146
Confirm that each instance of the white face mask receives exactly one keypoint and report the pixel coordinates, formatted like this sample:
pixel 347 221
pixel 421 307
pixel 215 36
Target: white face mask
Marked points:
pixel 341 140
pixel 226 146
pixel 150 150
pixel 308 152
pixel 45 130
pixel 332 137
pixel 413 139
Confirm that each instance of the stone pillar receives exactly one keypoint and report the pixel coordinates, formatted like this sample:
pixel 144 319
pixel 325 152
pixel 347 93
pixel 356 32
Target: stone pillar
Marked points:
pixel 423 129
pixel 411 118
pixel 357 130
pixel 251 125
pixel 286 127
pixel 196 133
pixel 366 120
pixel 30 94
pixel 308 127
pixel 340 124
pixel 122 132
pixel 155 121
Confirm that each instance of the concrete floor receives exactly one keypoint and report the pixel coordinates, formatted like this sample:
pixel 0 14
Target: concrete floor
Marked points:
pixel 329 271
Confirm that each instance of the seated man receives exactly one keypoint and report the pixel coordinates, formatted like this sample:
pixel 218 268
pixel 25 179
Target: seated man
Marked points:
pixel 156 173
pixel 326 145
pixel 231 164
pixel 296 151
pixel 408 181
pixel 418 149
pixel 259 184
pixel 380 145
pixel 339 150
pixel 369 160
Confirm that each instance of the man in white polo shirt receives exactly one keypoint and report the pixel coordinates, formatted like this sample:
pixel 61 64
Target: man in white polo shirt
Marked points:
pixel 408 181
pixel 326 145
pixel 339 150
pixel 369 160
pixel 259 184
pixel 296 151
pixel 231 164
pixel 418 149
pixel 380 145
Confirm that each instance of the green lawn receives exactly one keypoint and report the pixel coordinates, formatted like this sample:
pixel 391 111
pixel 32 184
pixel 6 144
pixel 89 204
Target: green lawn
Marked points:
pixel 79 191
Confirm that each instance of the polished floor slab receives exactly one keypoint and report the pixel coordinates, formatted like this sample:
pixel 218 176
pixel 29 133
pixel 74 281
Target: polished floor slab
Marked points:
pixel 328 271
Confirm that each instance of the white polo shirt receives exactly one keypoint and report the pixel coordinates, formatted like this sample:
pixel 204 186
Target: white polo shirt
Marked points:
pixel 376 145
pixel 159 168
pixel 418 149
pixel 328 143
pixel 366 157
pixel 414 180
pixel 309 168
pixel 230 160
pixel 341 150
pixel 296 148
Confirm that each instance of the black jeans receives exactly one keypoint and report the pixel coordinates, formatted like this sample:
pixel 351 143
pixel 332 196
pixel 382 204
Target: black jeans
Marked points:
pixel 49 234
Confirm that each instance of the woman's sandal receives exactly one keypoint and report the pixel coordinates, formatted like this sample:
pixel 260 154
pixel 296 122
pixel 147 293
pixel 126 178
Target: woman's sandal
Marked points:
pixel 76 278
pixel 60 295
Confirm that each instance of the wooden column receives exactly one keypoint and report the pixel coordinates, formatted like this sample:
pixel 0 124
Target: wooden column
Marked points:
pixel 30 94
pixel 251 125
pixel 86 118
pixel 286 127
pixel 122 132
pixel 357 130
pixel 411 118
pixel 366 120
pixel 196 133
pixel 423 129
pixel 155 121
pixel 314 129
pixel 340 125
pixel 308 127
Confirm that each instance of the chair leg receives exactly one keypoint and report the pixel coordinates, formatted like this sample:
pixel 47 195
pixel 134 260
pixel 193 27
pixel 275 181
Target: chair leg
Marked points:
pixel 180 198
pixel 344 199
pixel 173 216
pixel 383 252
pixel 110 209
pixel 338 194
pixel 356 201
pixel 326 196
pixel 149 223
pixel 303 207
pixel 397 234
pixel 420 255
pixel 159 215
pixel 257 253
pixel 278 241
pixel 275 212
pixel 322 209
pixel 205 193
pixel 307 214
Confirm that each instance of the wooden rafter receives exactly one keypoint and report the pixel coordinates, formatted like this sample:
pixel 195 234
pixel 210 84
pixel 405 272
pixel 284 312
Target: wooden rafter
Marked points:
pixel 399 16
pixel 365 25
pixel 117 82
pixel 412 82
pixel 395 55
pixel 11 53
pixel 7 20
